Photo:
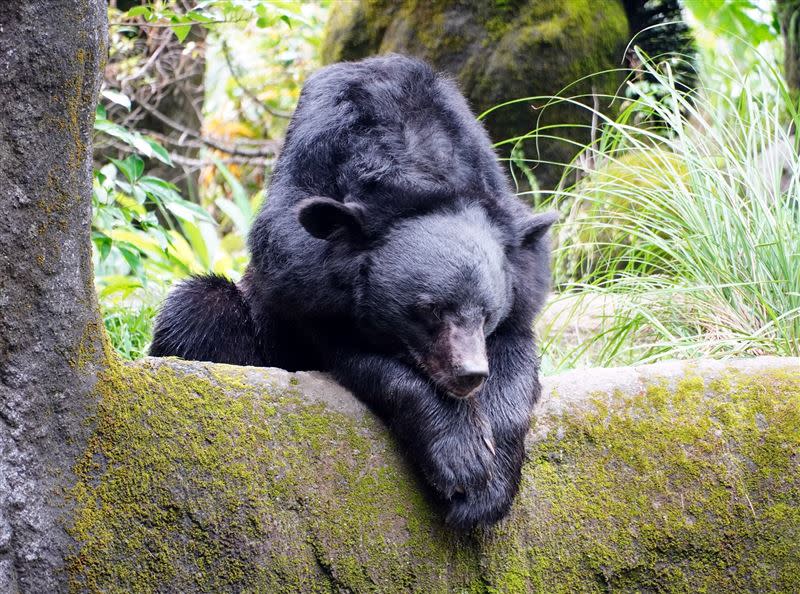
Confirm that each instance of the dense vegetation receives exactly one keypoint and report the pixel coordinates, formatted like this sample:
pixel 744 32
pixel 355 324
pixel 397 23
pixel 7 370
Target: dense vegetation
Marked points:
pixel 679 229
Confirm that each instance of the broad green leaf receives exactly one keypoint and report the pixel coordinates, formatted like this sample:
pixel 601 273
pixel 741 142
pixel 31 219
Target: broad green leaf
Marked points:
pixel 230 209
pixel 159 152
pixel 200 213
pixel 181 31
pixel 141 145
pixel 159 190
pixel 115 130
pixel 237 190
pixel 145 11
pixel 136 166
pixel 133 259
pixel 184 210
pixel 117 97
pixel 131 167
pixel 103 243
pixel 124 167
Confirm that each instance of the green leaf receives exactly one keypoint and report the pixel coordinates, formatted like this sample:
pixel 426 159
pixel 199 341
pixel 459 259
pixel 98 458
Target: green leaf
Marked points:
pixel 181 31
pixel 122 166
pixel 131 167
pixel 159 190
pixel 159 152
pixel 115 130
pixel 239 193
pixel 141 145
pixel 100 192
pixel 117 97
pixel 195 238
pixel 107 175
pixel 118 283
pixel 230 209
pixel 144 11
pixel 199 16
pixel 137 166
pixel 188 211
pixel 139 194
pixel 133 259
pixel 103 243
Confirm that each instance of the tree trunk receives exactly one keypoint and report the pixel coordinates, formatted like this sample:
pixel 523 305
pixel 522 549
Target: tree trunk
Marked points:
pixel 169 476
pixel 51 342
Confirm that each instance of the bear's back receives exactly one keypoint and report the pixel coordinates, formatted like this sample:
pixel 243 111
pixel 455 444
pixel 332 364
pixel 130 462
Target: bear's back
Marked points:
pixel 385 129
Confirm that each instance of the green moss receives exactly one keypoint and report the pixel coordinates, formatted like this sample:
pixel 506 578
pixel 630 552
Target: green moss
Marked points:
pixel 196 483
pixel 211 482
pixel 94 347
pixel 687 489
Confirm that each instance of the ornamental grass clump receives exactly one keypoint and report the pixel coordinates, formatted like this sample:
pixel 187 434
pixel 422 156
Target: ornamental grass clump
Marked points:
pixel 681 237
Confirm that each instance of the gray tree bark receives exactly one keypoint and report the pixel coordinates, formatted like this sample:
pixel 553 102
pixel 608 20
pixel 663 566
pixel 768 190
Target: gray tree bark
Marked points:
pixel 51 342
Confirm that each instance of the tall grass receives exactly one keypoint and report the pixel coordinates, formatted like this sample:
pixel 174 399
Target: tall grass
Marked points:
pixel 129 327
pixel 682 239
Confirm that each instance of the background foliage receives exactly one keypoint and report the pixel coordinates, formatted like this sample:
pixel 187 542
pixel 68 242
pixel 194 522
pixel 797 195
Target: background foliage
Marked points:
pixel 679 229
pixel 149 229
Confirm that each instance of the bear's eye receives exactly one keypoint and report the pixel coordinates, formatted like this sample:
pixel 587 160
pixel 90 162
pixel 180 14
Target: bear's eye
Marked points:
pixel 427 312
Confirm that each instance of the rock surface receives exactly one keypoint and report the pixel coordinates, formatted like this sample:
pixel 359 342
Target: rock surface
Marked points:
pixel 672 477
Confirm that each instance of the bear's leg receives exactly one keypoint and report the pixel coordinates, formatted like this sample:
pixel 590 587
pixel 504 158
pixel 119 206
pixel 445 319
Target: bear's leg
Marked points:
pixel 446 438
pixel 506 401
pixel 206 318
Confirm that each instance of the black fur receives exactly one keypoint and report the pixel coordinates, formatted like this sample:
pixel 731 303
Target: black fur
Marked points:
pixel 388 225
pixel 207 319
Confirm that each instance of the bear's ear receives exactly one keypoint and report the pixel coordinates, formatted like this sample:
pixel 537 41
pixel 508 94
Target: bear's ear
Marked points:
pixel 323 217
pixel 536 226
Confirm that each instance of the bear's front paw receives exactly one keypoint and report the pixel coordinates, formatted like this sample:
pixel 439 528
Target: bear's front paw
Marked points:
pixel 481 507
pixel 461 460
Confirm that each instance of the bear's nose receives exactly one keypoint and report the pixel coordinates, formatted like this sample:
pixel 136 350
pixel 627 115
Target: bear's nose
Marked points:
pixel 469 380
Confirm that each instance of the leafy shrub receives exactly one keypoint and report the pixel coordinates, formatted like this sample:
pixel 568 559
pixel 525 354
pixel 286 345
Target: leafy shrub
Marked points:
pixel 146 236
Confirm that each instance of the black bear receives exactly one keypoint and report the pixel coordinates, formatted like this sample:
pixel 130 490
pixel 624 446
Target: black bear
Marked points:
pixel 391 253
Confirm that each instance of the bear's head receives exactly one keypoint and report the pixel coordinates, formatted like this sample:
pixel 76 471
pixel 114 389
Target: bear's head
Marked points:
pixel 433 287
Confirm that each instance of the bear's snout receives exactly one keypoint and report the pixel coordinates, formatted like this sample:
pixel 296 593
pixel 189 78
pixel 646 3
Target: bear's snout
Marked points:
pixel 467 366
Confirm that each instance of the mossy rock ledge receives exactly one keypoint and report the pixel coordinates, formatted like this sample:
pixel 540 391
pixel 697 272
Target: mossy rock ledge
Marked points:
pixel 674 477
pixel 499 52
